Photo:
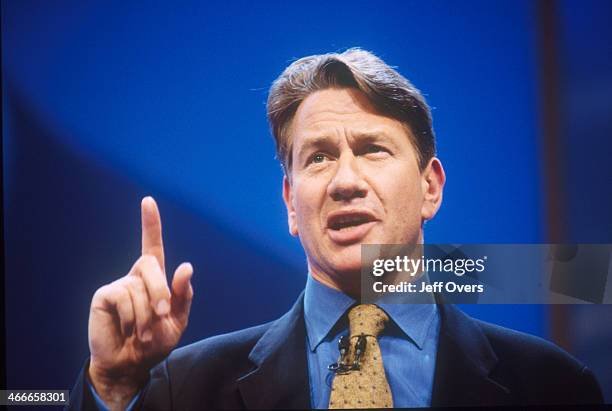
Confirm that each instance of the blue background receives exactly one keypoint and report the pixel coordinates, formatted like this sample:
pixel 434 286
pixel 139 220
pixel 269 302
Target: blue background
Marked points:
pixel 104 103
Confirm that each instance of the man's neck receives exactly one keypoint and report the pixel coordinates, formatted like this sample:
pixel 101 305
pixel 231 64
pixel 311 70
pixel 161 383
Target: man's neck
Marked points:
pixel 347 283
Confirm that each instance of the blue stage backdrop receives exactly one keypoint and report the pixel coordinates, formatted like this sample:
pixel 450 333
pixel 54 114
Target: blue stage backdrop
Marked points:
pixel 104 103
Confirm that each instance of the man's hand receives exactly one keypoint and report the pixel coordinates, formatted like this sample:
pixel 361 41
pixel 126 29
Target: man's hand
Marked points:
pixel 135 321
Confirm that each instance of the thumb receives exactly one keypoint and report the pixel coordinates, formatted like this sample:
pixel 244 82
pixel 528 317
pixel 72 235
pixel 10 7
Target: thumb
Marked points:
pixel 182 292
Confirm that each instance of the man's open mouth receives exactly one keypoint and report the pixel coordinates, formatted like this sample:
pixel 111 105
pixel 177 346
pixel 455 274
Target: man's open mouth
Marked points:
pixel 342 220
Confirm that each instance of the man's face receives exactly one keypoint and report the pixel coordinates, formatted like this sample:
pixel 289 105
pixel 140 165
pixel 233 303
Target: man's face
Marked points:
pixel 354 180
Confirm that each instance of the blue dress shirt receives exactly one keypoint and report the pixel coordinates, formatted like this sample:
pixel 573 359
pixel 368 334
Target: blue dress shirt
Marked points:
pixel 408 345
pixel 102 405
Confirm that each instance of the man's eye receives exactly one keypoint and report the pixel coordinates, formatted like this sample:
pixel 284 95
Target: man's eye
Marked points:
pixel 318 158
pixel 374 148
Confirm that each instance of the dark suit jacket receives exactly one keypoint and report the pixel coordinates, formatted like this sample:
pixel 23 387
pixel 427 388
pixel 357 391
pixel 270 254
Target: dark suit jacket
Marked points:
pixel 266 367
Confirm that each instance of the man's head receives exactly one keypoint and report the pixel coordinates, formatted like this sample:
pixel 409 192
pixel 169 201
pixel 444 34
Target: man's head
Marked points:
pixel 357 147
pixel 391 94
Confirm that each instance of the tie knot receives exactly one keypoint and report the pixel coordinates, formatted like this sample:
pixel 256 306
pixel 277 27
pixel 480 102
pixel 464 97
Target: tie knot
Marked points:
pixel 367 319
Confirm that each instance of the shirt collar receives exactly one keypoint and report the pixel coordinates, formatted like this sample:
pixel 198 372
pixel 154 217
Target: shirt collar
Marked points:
pixel 324 306
pixel 413 319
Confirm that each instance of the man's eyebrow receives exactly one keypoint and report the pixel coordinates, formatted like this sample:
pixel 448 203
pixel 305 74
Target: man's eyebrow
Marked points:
pixel 320 141
pixel 374 136
pixel 313 142
pixel 371 134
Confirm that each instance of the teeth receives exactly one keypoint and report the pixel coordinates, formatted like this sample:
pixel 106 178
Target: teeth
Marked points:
pixel 349 220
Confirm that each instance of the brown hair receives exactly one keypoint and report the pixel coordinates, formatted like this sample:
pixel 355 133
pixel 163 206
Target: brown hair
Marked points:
pixel 391 93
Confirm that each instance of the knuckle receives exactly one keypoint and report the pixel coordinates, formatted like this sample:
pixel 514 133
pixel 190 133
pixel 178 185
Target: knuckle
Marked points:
pixel 148 261
pixel 132 282
pixel 150 270
pixel 122 293
pixel 100 293
pixel 141 264
pixel 137 289
pixel 126 313
pixel 145 314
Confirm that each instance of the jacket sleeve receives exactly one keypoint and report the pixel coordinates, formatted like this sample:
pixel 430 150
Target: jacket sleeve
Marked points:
pixel 154 396
pixel 81 397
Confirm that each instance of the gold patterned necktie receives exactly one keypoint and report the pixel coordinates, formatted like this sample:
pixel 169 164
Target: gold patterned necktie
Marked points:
pixel 366 387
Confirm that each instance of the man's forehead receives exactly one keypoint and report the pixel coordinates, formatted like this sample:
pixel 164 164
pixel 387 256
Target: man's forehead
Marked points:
pixel 333 104
pixel 327 114
pixel 333 135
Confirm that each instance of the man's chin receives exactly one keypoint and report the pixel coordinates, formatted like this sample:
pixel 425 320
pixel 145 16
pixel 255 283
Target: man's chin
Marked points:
pixel 346 258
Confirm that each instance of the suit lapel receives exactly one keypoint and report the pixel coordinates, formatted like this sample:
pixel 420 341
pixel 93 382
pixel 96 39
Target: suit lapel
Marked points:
pixel 464 363
pixel 280 379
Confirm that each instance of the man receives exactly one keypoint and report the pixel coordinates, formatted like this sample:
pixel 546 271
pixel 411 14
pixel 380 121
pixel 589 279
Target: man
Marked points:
pixel 357 147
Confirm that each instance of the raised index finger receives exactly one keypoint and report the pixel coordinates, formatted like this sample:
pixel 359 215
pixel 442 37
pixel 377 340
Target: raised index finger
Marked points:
pixel 152 243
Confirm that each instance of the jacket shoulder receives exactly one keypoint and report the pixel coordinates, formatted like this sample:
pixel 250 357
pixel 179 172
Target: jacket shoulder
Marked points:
pixel 539 366
pixel 535 351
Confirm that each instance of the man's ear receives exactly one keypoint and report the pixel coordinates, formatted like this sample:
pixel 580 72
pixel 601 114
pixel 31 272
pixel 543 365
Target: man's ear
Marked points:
pixel 432 183
pixel 291 215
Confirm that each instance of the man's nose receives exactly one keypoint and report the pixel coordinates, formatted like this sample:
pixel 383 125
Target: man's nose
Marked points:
pixel 348 182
